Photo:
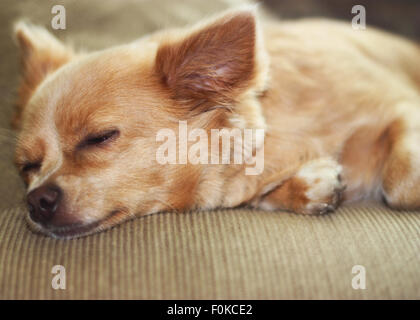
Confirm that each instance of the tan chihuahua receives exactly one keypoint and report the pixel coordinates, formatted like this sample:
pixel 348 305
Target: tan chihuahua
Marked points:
pixel 339 107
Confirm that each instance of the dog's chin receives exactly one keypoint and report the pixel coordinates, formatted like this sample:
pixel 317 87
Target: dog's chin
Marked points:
pixel 78 230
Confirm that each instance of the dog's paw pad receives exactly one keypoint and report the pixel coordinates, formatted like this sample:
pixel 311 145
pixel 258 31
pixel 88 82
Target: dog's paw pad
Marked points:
pixel 324 185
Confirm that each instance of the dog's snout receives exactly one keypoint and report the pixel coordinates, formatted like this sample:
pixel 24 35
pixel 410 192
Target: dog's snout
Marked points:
pixel 43 203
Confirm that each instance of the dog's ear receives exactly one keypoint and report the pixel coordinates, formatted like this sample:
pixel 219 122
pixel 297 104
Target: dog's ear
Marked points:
pixel 40 54
pixel 214 63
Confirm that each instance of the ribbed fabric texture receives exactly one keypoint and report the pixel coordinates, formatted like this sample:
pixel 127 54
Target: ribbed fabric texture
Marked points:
pixel 227 254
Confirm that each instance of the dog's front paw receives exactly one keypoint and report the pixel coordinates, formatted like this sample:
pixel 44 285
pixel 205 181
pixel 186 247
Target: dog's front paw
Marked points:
pixel 324 187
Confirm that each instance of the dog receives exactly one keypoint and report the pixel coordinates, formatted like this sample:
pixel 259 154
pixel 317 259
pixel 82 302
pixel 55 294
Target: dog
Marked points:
pixel 339 108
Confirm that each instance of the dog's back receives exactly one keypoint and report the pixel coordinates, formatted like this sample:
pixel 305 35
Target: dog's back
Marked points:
pixel 344 93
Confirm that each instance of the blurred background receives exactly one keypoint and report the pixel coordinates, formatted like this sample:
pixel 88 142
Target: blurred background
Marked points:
pixel 400 16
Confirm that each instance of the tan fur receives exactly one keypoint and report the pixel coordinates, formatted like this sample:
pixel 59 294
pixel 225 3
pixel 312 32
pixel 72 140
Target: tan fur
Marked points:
pixel 329 98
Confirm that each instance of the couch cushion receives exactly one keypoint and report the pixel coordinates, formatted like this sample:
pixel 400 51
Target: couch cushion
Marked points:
pixel 228 254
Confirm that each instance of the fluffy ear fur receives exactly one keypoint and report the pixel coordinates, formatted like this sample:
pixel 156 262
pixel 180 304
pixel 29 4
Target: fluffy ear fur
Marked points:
pixel 221 63
pixel 214 63
pixel 40 54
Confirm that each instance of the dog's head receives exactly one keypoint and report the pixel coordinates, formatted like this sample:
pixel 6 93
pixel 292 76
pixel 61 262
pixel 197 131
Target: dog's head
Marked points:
pixel 88 122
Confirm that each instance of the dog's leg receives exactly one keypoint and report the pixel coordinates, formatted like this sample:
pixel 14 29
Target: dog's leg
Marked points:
pixel 315 189
pixel 401 172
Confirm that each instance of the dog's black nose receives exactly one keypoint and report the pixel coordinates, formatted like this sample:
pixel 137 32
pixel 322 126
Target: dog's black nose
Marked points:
pixel 43 203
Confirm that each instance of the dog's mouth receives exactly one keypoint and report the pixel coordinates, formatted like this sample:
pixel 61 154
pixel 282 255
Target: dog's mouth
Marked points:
pixel 78 230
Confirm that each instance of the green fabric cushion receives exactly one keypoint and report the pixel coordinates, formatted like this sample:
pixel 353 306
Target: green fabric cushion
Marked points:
pixel 228 254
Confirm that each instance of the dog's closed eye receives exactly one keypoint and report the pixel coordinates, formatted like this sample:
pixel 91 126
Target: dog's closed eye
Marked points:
pixel 99 139
pixel 30 167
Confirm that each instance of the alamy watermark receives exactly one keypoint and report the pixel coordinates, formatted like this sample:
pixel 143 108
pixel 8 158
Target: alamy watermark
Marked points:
pixel 58 281
pixel 359 280
pixel 359 20
pixel 59 20
pixel 196 147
